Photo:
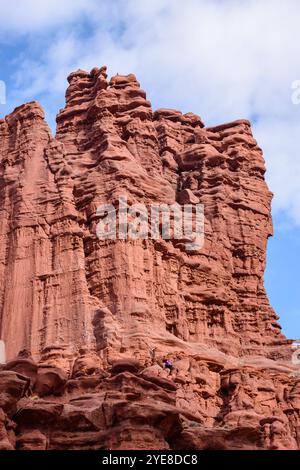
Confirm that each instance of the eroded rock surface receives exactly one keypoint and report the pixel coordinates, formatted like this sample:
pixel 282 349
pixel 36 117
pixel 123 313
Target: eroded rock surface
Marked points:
pixel 94 319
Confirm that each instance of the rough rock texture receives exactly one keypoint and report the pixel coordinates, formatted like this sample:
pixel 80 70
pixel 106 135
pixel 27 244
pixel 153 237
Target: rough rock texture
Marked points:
pixel 88 322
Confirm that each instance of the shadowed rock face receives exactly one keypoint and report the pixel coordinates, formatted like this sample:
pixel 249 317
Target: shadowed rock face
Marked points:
pixel 94 318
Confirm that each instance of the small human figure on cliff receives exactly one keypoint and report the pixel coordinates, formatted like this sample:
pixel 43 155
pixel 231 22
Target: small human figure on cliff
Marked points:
pixel 168 365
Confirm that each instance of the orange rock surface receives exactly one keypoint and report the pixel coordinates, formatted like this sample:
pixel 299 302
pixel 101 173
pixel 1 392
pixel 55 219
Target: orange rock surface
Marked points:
pixel 87 322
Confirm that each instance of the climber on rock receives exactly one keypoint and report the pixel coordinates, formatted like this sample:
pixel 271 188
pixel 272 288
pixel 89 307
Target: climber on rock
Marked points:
pixel 168 365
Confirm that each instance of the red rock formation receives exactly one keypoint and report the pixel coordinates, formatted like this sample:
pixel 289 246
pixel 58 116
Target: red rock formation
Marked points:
pixel 95 318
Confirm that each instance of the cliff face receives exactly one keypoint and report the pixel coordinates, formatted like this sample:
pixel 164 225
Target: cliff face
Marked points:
pixel 88 322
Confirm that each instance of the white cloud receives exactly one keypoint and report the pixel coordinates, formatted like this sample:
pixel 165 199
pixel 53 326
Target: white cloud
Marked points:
pixel 281 144
pixel 27 16
pixel 222 59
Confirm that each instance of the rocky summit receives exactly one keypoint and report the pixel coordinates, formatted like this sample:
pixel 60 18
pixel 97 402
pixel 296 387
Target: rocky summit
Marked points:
pixel 88 323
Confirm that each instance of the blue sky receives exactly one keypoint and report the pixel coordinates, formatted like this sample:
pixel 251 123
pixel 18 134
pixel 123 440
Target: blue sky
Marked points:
pixel 222 59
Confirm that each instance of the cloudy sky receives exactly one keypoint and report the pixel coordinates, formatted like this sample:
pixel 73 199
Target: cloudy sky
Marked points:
pixel 222 59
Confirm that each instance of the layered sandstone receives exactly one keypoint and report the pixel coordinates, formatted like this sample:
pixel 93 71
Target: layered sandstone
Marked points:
pixel 87 322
